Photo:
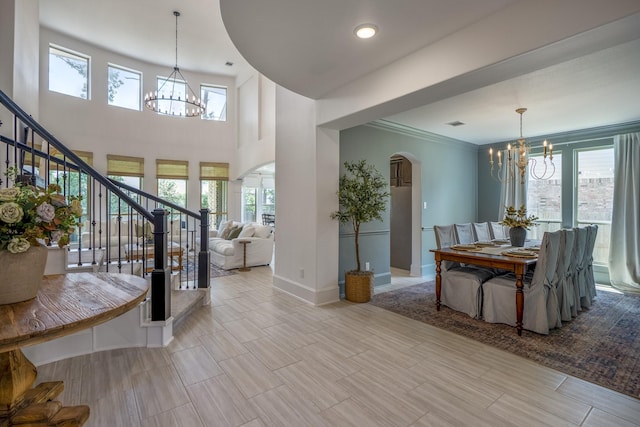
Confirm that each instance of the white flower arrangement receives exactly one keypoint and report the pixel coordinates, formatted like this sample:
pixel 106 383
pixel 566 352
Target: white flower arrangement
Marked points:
pixel 29 215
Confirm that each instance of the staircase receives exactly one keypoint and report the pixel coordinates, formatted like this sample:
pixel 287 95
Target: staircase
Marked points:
pixel 114 214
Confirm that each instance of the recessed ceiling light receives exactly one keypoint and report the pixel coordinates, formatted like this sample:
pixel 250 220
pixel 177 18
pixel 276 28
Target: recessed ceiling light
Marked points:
pixel 366 31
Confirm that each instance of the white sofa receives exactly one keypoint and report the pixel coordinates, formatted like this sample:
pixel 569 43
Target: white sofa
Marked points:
pixel 120 237
pixel 228 253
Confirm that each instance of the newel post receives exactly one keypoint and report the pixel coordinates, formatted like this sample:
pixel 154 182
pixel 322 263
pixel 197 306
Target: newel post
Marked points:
pixel 161 274
pixel 203 255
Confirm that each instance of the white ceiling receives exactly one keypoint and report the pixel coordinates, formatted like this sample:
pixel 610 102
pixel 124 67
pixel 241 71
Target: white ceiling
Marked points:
pixel 146 30
pixel 308 46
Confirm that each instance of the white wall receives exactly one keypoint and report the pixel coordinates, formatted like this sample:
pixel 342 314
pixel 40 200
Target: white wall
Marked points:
pixel 306 260
pixel 19 32
pixel 93 125
pixel 256 124
pixel 25 77
pixel 7 34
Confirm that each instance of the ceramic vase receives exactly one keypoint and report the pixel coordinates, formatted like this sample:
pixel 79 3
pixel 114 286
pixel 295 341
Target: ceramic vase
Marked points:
pixel 21 274
pixel 517 235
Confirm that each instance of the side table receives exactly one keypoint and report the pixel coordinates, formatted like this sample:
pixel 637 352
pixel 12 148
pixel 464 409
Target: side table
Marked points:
pixel 244 255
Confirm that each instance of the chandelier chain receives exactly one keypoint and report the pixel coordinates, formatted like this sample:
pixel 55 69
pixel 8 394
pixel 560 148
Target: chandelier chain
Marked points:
pixel 176 14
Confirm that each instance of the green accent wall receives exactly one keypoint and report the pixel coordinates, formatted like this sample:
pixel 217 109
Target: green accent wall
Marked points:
pixel 456 183
pixel 448 184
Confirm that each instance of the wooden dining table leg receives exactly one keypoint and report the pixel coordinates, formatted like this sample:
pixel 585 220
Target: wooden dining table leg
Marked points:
pixel 438 281
pixel 519 298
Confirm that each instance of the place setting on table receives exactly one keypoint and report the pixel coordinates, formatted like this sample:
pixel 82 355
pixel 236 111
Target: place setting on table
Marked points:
pixel 500 247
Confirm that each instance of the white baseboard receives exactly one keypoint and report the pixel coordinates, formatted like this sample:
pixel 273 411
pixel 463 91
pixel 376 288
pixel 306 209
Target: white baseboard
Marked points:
pixel 312 296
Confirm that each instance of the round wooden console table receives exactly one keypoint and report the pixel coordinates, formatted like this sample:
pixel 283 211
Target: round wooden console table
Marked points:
pixel 65 304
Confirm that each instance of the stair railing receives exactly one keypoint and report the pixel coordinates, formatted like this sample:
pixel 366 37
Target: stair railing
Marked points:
pixel 185 227
pixel 108 234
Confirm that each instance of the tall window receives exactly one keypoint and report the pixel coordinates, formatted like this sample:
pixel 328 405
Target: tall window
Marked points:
pixel 167 87
pixel 258 196
pixel 269 201
pixel 172 178
pixel 73 183
pixel 594 196
pixel 544 197
pixel 215 101
pixel 214 178
pixel 128 170
pixel 68 72
pixel 249 204
pixel 591 188
pixel 123 87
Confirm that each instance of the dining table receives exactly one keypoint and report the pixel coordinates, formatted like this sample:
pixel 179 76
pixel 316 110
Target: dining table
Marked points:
pixel 500 255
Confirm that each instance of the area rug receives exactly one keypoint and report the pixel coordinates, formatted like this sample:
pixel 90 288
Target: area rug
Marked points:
pixel 601 345
pixel 188 271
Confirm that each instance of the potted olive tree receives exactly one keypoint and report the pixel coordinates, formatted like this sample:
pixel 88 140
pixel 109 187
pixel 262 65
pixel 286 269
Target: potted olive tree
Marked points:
pixel 362 196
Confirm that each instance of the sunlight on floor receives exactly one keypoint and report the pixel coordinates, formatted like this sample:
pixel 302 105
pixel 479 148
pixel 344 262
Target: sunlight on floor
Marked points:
pixel 400 279
pixel 607 288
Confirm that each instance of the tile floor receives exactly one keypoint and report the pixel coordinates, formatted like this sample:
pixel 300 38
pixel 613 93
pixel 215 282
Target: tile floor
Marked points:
pixel 258 357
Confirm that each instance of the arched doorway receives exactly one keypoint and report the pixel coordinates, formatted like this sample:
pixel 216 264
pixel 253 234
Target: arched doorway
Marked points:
pixel 405 185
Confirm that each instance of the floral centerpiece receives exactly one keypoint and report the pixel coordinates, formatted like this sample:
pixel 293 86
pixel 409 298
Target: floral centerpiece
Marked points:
pixel 31 216
pixel 519 223
pixel 518 218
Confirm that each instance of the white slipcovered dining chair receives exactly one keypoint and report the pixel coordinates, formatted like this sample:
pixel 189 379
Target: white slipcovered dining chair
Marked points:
pixel 461 286
pixel 464 232
pixel 541 311
pixel 579 284
pixel 498 231
pixel 445 238
pixel 586 271
pixel 481 230
pixel 564 272
pixel 590 276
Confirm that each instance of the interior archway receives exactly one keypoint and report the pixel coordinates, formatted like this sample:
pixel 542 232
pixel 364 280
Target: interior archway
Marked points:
pixel 412 232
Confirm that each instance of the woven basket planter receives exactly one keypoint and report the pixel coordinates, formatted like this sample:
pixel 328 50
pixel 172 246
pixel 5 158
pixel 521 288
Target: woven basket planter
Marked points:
pixel 358 286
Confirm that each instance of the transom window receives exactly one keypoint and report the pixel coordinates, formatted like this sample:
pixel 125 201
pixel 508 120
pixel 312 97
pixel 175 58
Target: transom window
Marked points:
pixel 68 72
pixel 124 87
pixel 215 101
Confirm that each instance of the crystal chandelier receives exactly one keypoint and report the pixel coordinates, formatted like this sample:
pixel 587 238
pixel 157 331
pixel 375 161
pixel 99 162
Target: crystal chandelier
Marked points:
pixel 175 97
pixel 517 159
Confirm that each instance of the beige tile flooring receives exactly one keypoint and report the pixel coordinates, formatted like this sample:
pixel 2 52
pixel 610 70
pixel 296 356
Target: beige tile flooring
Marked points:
pixel 258 357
